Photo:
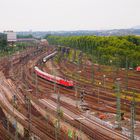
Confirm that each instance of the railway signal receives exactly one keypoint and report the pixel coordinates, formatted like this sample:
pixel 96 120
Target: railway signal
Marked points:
pixel 82 96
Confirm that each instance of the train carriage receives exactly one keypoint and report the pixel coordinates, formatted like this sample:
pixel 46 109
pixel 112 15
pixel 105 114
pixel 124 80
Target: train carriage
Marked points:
pixel 49 56
pixel 138 69
pixel 52 78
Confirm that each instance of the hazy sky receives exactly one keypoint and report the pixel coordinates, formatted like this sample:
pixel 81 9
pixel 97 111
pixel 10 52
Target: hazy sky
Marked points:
pixel 68 14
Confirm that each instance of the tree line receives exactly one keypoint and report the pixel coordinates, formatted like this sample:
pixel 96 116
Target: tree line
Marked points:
pixel 122 51
pixel 25 36
pixel 3 42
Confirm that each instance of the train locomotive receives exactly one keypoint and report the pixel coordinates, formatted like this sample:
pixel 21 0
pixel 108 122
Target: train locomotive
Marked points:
pixel 138 69
pixel 52 78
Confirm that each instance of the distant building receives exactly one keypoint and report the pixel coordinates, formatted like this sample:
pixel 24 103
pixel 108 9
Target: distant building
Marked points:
pixel 11 36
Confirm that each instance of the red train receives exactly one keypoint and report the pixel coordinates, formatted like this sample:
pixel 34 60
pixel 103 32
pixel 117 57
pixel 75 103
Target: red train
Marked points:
pixel 138 69
pixel 53 78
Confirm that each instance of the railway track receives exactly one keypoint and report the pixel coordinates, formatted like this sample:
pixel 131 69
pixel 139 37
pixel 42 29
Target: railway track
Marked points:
pixel 38 126
pixel 41 83
pixel 6 105
pixel 104 93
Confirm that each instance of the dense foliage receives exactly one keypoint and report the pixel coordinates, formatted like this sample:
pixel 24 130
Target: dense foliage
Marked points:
pixel 7 49
pixel 122 51
pixel 3 42
pixel 25 36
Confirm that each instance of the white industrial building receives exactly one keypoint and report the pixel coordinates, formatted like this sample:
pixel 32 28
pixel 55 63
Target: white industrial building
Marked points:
pixel 11 36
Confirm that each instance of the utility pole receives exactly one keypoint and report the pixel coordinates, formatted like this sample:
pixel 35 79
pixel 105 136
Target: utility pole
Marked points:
pixel 57 123
pixel 58 116
pixel 126 78
pixel 118 113
pixel 99 91
pixel 76 96
pixel 33 76
pixel 16 133
pixel 21 70
pixel 126 81
pixel 28 101
pixel 12 72
pixel 82 97
pixel 8 123
pixel 117 64
pixel 132 136
pixel 47 117
pixel 82 94
pixel 14 101
pixel 36 83
pixel 29 116
pixel 76 89
pixel 15 124
pixel 77 72
pixel 92 72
